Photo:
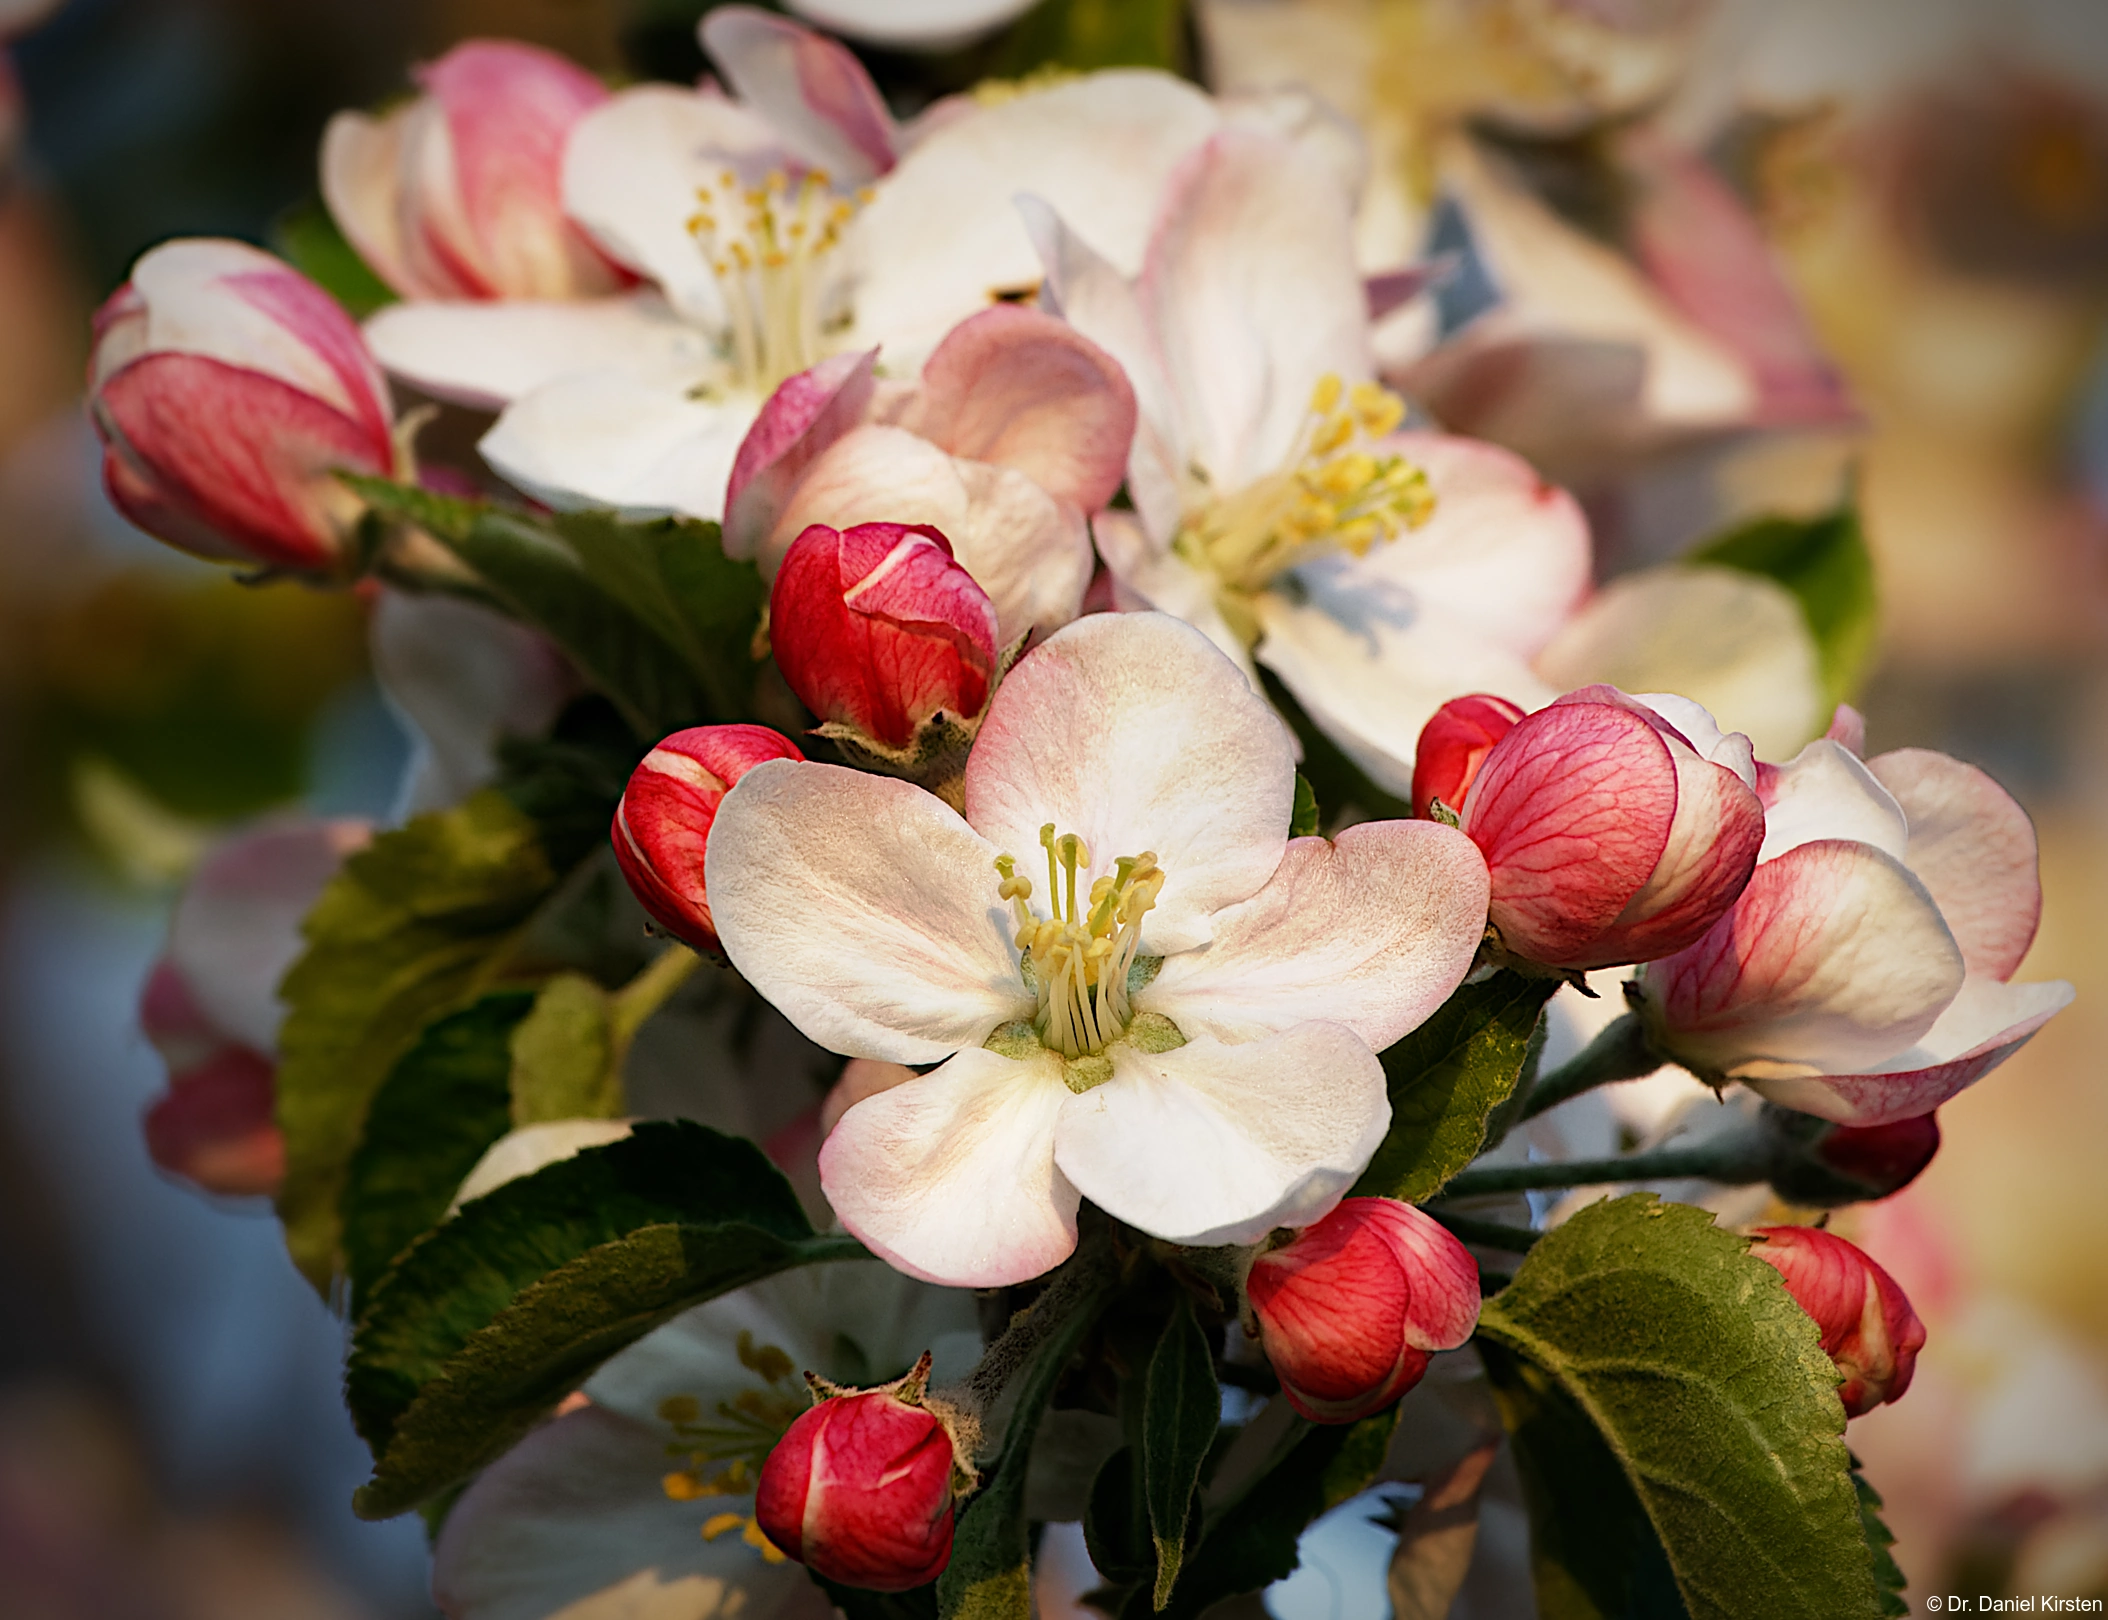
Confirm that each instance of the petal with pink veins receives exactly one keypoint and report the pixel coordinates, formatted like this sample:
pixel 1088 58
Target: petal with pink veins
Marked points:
pixel 1974 848
pixel 1826 792
pixel 1212 1143
pixel 800 421
pixel 865 909
pixel 1373 930
pixel 1132 732
pixel 952 1176
pixel 813 91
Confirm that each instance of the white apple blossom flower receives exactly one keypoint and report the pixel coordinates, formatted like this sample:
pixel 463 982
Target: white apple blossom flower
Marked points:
pixel 1182 1026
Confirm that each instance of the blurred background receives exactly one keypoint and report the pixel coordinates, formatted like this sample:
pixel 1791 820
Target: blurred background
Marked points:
pixel 1932 179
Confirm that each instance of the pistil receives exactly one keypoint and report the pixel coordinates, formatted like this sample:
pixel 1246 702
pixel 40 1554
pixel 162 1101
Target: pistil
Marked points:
pixel 1079 957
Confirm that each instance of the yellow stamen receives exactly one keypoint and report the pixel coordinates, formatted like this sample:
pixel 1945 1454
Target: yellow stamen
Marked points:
pixel 1080 956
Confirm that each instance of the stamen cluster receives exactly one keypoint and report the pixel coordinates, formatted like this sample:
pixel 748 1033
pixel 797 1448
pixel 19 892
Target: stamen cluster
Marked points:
pixel 1076 959
pixel 767 244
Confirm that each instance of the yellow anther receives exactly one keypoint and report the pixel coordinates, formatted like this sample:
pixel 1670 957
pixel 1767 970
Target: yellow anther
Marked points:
pixel 685 1486
pixel 720 1523
pixel 1326 394
pixel 680 1409
pixel 1080 959
pixel 1377 408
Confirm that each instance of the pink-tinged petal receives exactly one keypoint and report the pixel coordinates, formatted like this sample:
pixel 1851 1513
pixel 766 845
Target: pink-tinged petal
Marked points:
pixel 487 355
pixel 1693 724
pixel 1454 745
pixel 173 1022
pixel 952 1176
pixel 1373 931
pixel 801 420
pixel 865 909
pixel 1212 1143
pixel 1251 289
pixel 259 485
pixel 1131 731
pixel 217 1127
pixel 1825 792
pixel 362 185
pixel 1390 290
pixel 1834 959
pixel 814 91
pixel 1019 389
pixel 1702 247
pixel 1144 575
pixel 1848 730
pixel 1983 1026
pixel 1973 847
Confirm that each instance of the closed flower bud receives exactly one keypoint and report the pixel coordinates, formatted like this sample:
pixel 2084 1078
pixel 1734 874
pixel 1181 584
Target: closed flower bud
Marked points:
pixel 860 1488
pixel 228 391
pixel 458 192
pixel 1867 1325
pixel 1350 1310
pixel 216 1126
pixel 662 827
pixel 1823 1165
pixel 884 636
pixel 1615 830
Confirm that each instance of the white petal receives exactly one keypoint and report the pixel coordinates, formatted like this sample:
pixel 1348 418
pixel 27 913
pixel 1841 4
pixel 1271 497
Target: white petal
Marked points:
pixel 865 909
pixel 1212 1144
pixel 1129 730
pixel 1167 582
pixel 572 1524
pixel 951 1177
pixel 1370 664
pixel 914 25
pixel 486 354
pixel 1731 641
pixel 604 439
pixel 1825 792
pixel 632 167
pixel 1373 931
pixel 362 185
pixel 1729 749
pixel 942 236
pixel 529 1148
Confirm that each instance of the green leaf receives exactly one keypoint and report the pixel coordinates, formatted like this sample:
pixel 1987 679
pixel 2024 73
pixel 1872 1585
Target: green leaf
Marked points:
pixel 416 925
pixel 563 1055
pixel 446 517
pixel 1181 1410
pixel 1825 563
pixel 1116 1521
pixel 1303 819
pixel 443 1104
pixel 1887 1575
pixel 1087 34
pixel 1447 1078
pixel 308 239
pixel 1709 1387
pixel 488 1321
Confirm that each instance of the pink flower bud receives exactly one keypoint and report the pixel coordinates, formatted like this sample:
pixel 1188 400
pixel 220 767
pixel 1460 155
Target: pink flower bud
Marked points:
pixel 662 826
pixel 876 628
pixel 1351 1309
pixel 860 1488
pixel 1610 834
pixel 1822 1165
pixel 216 1126
pixel 228 390
pixel 1867 1325
pixel 1454 744
pixel 459 192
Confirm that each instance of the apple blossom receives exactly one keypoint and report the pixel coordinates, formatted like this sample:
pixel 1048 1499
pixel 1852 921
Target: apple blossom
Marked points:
pixel 1128 1039
pixel 1352 1307
pixel 1017 427
pixel 1277 506
pixel 458 192
pixel 887 639
pixel 216 1126
pixel 228 390
pixel 1611 834
pixel 662 826
pixel 1867 1325
pixel 1865 973
pixel 861 1487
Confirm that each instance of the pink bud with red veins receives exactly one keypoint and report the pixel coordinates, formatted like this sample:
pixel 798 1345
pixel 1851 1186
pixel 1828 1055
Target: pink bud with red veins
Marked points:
pixel 228 391
pixel 1453 747
pixel 458 193
pixel 1351 1309
pixel 1613 833
pixel 662 827
pixel 1867 1325
pixel 861 1487
pixel 884 636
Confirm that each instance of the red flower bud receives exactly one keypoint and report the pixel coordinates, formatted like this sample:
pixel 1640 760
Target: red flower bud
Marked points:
pixel 1351 1309
pixel 1867 1325
pixel 876 628
pixel 1883 1158
pixel 217 1125
pixel 860 1488
pixel 662 826
pixel 1454 744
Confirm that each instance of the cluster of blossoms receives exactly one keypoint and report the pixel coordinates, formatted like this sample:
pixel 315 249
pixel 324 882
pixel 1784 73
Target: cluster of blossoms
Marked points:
pixel 1053 422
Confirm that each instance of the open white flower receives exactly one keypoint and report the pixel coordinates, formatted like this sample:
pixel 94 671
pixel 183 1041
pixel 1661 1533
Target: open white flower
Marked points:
pixel 640 1505
pixel 1182 1026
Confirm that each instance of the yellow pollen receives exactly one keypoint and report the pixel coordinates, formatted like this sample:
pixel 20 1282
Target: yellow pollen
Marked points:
pixel 1079 956
pixel 1337 491
pixel 750 1532
pixel 723 1451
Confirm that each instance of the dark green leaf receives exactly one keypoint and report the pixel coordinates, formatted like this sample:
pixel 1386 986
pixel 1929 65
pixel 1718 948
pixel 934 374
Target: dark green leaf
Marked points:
pixel 443 1104
pixel 416 925
pixel 1825 563
pixel 492 1318
pixel 1709 1387
pixel 1181 1410
pixel 1446 1079
pixel 1116 1525
pixel 563 1055
pixel 445 517
pixel 1303 819
pixel 307 238
pixel 1887 1575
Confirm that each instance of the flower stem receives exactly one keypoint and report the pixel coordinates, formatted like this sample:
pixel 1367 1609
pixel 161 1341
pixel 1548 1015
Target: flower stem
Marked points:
pixel 645 994
pixel 1490 1234
pixel 1735 1161
pixel 1621 1052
